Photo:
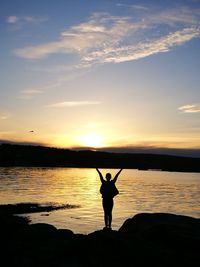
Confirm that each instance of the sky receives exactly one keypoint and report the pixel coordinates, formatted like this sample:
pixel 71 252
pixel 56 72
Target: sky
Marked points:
pixel 100 74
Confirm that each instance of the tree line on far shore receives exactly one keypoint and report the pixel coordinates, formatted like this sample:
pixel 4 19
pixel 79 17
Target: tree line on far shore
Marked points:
pixel 40 156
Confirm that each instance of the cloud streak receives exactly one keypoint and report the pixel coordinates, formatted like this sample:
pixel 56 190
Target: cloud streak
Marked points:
pixel 192 108
pixel 101 30
pixel 134 52
pixel 18 22
pixel 136 7
pixel 67 104
pixel 12 19
pixel 29 93
pixel 105 38
pixel 4 115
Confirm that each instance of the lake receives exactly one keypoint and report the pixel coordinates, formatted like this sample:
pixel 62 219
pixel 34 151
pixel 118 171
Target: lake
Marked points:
pixel 140 191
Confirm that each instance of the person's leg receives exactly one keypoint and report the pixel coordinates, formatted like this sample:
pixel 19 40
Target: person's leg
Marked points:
pixel 106 219
pixel 106 215
pixel 110 207
pixel 110 220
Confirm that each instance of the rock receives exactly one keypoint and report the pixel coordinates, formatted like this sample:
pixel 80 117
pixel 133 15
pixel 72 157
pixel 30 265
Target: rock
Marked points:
pixel 44 229
pixel 65 233
pixel 158 239
pixel 167 232
pixel 144 223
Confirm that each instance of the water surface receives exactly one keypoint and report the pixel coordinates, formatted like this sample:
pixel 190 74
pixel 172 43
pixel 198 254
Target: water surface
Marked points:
pixel 140 191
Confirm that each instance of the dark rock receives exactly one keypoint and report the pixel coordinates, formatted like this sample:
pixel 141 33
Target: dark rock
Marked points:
pixel 152 225
pixel 158 239
pixel 65 233
pixel 42 230
pixel 30 207
pixel 173 237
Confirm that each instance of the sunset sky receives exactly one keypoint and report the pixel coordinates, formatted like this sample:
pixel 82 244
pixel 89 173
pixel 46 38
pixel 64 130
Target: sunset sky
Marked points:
pixel 80 73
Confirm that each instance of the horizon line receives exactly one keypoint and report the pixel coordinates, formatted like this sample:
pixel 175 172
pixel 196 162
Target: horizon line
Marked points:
pixel 131 149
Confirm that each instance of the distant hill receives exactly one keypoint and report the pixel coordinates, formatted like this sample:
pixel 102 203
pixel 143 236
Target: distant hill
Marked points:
pixel 40 156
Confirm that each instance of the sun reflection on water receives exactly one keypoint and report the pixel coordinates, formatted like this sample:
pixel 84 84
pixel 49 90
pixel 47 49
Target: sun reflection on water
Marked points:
pixel 140 191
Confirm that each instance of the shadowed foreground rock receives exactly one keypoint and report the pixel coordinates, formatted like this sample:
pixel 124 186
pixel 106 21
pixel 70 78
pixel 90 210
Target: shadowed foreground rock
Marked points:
pixel 144 240
pixel 30 207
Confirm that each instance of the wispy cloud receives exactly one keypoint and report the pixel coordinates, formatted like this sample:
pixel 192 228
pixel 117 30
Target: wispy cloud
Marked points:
pixel 12 19
pixel 192 108
pixel 4 115
pixel 73 104
pixel 105 38
pixel 100 31
pixel 29 93
pixel 5 134
pixel 19 21
pixel 134 52
pixel 136 7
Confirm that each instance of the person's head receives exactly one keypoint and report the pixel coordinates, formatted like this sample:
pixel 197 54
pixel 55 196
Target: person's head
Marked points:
pixel 108 176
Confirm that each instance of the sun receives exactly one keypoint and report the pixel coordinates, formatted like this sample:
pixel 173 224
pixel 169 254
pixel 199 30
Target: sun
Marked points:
pixel 91 140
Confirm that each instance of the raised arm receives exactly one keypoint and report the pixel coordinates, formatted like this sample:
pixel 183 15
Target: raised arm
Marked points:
pixel 100 175
pixel 116 176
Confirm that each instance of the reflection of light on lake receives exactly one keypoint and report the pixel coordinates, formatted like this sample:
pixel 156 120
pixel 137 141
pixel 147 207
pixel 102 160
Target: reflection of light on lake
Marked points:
pixel 140 191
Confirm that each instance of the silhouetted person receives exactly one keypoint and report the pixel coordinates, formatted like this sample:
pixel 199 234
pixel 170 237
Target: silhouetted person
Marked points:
pixel 108 191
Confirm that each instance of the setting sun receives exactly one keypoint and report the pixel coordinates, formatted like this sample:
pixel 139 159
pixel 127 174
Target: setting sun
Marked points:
pixel 91 140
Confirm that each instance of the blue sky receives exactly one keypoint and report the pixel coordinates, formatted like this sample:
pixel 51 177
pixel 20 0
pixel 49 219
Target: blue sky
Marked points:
pixel 100 73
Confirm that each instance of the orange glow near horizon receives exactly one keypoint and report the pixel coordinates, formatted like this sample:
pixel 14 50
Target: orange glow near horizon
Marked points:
pixel 100 139
pixel 91 140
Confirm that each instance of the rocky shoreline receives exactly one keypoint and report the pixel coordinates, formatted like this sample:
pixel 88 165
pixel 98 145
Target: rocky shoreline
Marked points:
pixel 147 239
